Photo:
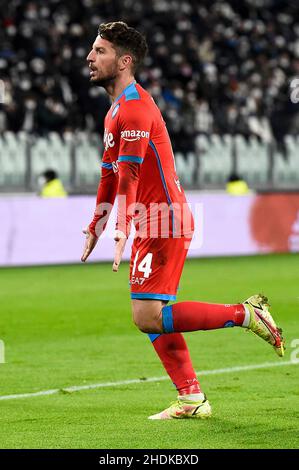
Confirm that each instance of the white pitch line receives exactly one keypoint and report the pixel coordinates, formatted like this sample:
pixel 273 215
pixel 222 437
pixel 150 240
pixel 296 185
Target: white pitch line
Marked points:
pixel 78 388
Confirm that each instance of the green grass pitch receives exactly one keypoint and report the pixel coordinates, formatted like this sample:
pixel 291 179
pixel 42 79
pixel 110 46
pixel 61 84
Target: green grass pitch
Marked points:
pixel 71 325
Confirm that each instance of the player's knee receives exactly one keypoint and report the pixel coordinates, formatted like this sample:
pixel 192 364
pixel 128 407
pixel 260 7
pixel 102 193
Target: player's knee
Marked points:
pixel 145 322
pixel 142 324
pixel 145 327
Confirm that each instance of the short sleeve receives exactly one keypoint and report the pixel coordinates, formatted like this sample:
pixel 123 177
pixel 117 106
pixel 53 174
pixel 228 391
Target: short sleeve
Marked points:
pixel 135 125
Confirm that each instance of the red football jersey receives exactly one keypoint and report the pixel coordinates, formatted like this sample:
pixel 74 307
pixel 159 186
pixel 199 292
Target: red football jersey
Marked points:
pixel 138 163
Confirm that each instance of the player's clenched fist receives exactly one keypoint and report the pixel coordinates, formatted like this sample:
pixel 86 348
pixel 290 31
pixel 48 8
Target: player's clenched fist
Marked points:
pixel 90 243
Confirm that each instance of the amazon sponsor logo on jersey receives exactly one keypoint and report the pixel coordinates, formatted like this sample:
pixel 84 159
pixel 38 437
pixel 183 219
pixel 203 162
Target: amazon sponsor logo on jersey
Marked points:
pixel 131 135
pixel 108 139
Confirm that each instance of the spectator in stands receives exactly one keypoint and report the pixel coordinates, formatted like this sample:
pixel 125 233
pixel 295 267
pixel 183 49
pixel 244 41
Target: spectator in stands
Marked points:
pixel 236 185
pixel 228 61
pixel 52 186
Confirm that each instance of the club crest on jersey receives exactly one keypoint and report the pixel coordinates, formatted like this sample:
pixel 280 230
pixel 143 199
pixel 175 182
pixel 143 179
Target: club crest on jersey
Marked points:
pixel 131 135
pixel 108 139
pixel 115 111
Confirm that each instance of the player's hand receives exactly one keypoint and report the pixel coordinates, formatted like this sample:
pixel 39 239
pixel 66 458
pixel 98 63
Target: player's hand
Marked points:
pixel 120 243
pixel 90 243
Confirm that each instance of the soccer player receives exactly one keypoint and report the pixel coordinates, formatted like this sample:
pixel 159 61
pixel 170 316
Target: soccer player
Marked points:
pixel 138 166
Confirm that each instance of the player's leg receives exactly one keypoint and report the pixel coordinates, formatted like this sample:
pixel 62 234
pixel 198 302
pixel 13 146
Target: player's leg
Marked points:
pixel 171 349
pixel 147 315
pixel 155 274
pixel 151 288
pixel 253 314
pixel 174 355
pixel 156 267
pixel 188 316
pixel 162 267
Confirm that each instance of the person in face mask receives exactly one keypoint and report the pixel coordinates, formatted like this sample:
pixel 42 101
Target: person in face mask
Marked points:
pixel 51 185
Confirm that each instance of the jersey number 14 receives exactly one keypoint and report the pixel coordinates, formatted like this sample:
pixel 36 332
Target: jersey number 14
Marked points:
pixel 144 266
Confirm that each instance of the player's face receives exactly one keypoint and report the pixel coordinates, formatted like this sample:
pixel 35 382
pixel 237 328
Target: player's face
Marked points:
pixel 103 62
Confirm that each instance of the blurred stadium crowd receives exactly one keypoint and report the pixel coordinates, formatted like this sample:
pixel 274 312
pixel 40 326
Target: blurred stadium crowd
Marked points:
pixel 213 66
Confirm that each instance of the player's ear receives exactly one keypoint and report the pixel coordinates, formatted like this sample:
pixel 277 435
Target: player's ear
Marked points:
pixel 125 61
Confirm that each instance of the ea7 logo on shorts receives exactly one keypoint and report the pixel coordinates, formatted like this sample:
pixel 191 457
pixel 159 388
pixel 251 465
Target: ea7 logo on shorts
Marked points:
pixel 108 139
pixel 133 135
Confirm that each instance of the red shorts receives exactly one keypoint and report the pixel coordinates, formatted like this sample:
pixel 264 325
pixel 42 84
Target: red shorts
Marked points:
pixel 156 267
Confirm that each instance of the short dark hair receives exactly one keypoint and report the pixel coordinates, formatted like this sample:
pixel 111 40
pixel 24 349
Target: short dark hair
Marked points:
pixel 125 40
pixel 50 175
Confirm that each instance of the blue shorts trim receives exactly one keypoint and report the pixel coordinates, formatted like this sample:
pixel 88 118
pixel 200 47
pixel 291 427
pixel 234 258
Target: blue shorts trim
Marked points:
pixel 148 295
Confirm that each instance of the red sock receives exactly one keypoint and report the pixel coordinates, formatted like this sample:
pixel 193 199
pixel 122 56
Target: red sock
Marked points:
pixel 193 316
pixel 174 355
